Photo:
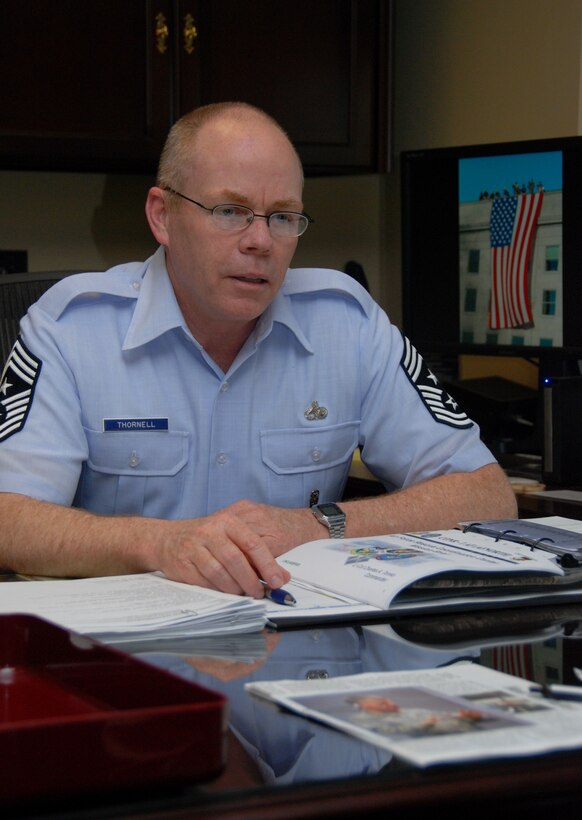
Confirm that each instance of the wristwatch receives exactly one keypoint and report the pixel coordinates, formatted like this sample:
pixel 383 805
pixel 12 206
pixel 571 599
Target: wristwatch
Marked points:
pixel 332 517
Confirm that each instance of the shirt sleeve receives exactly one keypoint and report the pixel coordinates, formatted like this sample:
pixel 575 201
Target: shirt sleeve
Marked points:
pixel 43 455
pixel 411 429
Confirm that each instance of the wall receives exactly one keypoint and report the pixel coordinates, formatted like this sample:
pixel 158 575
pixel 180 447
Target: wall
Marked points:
pixel 92 221
pixel 68 220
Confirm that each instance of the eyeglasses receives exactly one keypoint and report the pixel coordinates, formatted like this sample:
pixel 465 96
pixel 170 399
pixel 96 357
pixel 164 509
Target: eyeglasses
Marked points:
pixel 229 217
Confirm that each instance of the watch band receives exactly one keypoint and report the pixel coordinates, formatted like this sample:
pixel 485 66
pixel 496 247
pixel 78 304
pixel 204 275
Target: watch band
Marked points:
pixel 337 528
pixel 332 517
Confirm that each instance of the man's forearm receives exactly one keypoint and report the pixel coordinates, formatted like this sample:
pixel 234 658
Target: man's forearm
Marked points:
pixel 221 550
pixel 47 539
pixel 438 503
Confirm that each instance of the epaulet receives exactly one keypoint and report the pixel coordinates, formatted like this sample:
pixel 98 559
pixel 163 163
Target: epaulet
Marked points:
pixel 121 281
pixel 300 281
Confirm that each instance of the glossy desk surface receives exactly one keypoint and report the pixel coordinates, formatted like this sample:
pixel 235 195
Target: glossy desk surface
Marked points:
pixel 281 765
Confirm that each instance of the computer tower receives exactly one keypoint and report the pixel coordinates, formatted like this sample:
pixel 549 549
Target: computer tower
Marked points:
pixel 562 431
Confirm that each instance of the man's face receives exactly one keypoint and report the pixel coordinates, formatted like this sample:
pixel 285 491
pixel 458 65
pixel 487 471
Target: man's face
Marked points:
pixel 226 280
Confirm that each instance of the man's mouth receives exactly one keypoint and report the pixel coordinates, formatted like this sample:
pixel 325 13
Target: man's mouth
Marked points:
pixel 254 280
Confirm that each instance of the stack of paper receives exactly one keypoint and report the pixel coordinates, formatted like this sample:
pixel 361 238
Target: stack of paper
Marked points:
pixel 126 607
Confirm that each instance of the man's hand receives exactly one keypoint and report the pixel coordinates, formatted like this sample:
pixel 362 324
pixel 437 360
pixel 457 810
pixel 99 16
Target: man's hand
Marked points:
pixel 231 550
pixel 234 549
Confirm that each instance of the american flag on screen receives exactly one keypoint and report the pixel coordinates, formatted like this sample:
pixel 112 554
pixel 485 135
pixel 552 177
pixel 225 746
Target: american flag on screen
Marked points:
pixel 513 224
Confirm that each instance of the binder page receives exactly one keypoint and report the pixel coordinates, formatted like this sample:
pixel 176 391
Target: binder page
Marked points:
pixel 373 570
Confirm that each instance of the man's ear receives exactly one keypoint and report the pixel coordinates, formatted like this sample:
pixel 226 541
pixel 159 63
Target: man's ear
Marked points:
pixel 157 214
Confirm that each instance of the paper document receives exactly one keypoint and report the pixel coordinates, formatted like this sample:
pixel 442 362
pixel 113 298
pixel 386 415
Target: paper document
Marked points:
pixel 452 714
pixel 126 607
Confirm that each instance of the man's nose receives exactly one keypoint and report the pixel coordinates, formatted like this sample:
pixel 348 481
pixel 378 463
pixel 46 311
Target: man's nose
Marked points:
pixel 258 234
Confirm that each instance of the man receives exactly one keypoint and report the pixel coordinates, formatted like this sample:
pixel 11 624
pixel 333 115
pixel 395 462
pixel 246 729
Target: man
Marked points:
pixel 184 414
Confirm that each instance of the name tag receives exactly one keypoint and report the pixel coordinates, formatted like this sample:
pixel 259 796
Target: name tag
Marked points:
pixel 125 425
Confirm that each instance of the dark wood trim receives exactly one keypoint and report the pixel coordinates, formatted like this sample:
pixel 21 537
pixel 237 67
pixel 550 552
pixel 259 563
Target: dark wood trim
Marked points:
pixel 526 788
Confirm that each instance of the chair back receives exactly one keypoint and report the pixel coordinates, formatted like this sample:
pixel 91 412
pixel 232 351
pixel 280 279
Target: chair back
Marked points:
pixel 17 292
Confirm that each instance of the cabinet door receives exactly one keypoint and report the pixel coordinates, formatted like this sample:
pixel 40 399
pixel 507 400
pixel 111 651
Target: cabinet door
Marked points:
pixel 79 80
pixel 320 67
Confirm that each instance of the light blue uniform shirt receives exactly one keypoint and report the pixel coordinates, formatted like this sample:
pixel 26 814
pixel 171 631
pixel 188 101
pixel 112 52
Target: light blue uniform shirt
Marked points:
pixel 129 415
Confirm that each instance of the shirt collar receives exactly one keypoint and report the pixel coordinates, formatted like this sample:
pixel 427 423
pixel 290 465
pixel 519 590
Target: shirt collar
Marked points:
pixel 157 310
pixel 281 311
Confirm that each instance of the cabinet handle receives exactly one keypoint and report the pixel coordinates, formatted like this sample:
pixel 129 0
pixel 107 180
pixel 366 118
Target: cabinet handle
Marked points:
pixel 190 33
pixel 162 33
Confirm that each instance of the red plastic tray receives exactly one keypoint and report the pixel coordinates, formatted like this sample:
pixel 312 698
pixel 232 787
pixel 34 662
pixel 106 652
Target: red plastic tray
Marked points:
pixel 77 716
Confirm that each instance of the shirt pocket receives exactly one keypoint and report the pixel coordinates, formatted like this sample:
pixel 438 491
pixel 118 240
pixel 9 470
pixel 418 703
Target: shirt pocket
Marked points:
pixel 134 473
pixel 302 461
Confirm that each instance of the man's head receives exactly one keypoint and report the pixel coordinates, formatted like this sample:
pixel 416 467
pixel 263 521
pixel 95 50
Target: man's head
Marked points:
pixel 180 144
pixel 225 154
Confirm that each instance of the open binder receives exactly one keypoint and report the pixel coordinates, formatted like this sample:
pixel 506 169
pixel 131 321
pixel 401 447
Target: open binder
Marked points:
pixel 476 566
pixel 566 545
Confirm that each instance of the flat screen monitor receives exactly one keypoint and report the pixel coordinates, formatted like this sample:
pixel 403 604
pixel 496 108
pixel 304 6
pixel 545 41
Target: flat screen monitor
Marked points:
pixel 492 250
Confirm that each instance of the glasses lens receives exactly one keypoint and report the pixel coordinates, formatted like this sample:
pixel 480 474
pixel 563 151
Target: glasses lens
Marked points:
pixel 288 223
pixel 232 217
pixel 281 223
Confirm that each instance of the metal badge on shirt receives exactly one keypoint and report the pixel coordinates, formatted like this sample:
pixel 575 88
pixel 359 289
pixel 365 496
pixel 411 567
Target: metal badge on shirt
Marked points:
pixel 440 404
pixel 315 412
pixel 17 385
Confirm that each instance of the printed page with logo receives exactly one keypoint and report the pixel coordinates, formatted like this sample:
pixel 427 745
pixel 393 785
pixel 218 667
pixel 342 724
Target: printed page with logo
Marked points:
pixel 411 572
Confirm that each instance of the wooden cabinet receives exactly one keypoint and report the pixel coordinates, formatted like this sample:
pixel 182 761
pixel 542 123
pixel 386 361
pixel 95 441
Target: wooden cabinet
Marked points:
pixel 95 86
pixel 83 85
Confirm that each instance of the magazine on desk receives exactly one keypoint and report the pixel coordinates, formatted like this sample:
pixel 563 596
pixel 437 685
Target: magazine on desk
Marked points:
pixel 456 713
pixel 473 567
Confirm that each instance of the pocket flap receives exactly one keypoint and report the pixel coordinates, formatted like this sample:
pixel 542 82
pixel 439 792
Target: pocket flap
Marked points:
pixel 137 453
pixel 300 450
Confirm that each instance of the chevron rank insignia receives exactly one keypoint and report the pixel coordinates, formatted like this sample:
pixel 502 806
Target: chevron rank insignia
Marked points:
pixel 440 404
pixel 17 385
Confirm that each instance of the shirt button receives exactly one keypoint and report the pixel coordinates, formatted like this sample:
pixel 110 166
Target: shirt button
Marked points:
pixel 133 460
pixel 317 674
pixel 221 458
pixel 316 454
pixel 224 387
pixel 136 285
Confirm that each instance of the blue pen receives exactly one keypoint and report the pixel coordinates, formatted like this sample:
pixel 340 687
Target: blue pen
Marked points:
pixel 279 596
pixel 558 691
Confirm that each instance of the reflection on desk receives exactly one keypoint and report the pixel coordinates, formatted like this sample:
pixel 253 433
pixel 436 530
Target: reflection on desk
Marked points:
pixel 288 749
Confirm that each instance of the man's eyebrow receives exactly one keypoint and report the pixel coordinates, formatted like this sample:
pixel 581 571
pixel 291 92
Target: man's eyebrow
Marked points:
pixel 226 196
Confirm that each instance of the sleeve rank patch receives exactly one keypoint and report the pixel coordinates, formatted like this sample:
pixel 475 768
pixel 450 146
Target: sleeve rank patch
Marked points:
pixel 440 404
pixel 17 385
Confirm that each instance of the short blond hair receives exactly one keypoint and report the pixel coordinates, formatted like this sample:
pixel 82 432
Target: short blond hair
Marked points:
pixel 180 145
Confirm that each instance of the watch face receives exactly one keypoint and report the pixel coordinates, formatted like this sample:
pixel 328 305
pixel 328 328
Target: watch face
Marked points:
pixel 330 509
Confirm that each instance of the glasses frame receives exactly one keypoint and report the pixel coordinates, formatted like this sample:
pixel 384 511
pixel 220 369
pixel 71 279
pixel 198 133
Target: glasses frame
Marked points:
pixel 252 214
